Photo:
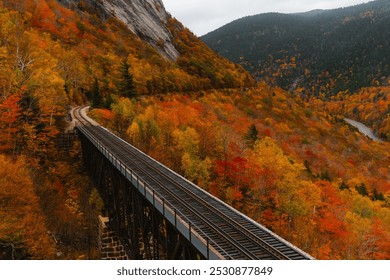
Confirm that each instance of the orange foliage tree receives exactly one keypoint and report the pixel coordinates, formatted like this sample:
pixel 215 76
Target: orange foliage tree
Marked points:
pixel 22 223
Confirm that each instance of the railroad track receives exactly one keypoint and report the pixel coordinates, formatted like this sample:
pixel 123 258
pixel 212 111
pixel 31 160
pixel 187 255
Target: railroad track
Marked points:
pixel 236 235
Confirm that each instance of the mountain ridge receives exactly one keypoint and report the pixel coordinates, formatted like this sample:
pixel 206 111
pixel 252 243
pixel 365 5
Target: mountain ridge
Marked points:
pixel 335 50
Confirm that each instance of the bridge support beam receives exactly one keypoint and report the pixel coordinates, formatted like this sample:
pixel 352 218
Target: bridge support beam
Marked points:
pixel 143 231
pixel 110 246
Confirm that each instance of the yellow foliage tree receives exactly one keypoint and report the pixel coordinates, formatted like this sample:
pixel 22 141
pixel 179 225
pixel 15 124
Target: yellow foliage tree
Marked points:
pixel 297 197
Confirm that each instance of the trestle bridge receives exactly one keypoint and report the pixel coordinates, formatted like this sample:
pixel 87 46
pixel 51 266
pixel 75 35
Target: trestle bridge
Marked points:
pixel 158 214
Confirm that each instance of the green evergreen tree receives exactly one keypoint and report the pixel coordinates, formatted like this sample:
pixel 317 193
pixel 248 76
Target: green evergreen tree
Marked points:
pixel 108 102
pixel 362 189
pixel 325 176
pixel 97 99
pixel 377 196
pixel 251 136
pixel 344 186
pixel 126 84
pixel 308 169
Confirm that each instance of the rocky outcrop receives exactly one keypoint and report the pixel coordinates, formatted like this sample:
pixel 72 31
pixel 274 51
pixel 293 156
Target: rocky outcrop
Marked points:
pixel 146 18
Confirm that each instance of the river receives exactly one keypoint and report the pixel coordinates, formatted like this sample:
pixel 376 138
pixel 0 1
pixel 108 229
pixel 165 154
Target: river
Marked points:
pixel 363 129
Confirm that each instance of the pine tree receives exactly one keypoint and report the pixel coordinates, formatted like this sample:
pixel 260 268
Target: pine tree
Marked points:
pixel 362 189
pixel 344 186
pixel 251 136
pixel 377 196
pixel 108 102
pixel 126 84
pixel 97 99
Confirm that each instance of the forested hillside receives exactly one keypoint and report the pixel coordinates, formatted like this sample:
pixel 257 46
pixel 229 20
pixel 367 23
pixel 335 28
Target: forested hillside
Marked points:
pixel 305 175
pixel 323 52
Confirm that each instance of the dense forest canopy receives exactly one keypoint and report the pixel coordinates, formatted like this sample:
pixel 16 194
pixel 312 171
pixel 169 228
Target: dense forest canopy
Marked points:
pixel 320 53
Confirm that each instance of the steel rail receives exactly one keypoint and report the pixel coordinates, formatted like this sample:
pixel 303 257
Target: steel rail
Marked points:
pixel 237 226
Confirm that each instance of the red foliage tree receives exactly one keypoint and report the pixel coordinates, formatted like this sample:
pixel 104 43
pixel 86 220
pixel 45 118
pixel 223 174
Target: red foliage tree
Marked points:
pixel 231 180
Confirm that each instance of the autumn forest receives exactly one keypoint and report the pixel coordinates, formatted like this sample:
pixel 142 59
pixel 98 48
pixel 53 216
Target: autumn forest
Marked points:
pixel 289 161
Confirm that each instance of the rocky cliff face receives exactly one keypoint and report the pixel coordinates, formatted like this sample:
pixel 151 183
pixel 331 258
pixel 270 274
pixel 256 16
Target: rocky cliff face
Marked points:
pixel 146 18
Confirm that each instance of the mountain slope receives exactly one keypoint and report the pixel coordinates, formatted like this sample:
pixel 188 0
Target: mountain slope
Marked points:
pixel 316 52
pixel 141 29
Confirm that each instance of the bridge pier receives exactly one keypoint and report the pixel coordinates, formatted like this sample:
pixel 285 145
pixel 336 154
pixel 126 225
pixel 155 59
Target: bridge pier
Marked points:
pixel 143 231
pixel 110 246
pixel 65 140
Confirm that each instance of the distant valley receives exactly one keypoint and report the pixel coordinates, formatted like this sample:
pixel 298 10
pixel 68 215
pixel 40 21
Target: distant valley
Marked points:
pixel 337 56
